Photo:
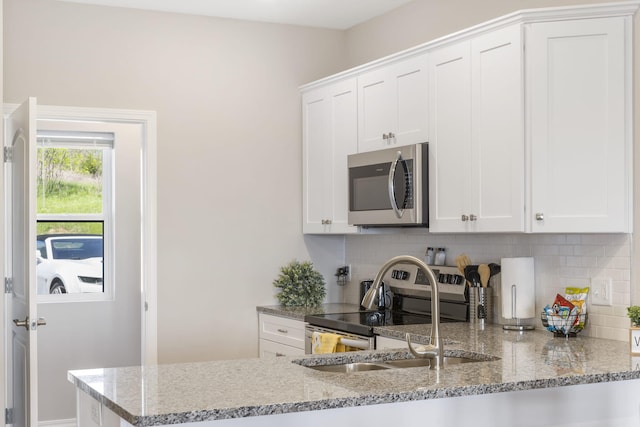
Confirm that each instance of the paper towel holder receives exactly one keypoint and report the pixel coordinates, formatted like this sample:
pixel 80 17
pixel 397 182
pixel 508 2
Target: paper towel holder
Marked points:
pixel 518 326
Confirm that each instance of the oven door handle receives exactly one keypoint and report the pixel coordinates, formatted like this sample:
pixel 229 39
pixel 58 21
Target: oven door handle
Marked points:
pixel 392 185
pixel 361 344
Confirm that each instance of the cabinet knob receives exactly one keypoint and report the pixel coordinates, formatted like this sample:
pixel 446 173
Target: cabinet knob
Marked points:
pixel 326 222
pixel 464 218
pixel 385 136
pixel 539 216
pixel 472 217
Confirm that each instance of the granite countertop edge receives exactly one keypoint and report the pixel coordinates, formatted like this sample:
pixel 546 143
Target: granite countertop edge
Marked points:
pixel 460 335
pixel 334 403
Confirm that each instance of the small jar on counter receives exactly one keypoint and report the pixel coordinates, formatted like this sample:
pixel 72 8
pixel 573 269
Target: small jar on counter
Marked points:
pixel 440 257
pixel 428 256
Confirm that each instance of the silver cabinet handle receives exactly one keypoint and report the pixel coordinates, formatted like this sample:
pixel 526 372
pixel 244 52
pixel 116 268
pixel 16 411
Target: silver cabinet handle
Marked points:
pixel 283 331
pixel 279 354
pixel 539 216
pixel 472 217
pixel 33 325
pixel 465 218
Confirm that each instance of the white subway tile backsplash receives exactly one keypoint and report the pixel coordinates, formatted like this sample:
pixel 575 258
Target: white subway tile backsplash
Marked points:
pixel 560 261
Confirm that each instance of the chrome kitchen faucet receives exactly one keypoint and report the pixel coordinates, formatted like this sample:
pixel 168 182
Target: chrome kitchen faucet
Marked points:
pixel 434 350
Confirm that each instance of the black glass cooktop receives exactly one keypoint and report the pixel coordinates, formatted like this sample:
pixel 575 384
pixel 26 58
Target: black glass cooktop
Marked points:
pixel 363 322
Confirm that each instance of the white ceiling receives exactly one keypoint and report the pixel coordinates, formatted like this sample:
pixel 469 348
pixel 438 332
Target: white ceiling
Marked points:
pixel 337 14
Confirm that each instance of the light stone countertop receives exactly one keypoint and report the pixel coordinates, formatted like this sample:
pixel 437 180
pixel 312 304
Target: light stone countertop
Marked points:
pixel 179 393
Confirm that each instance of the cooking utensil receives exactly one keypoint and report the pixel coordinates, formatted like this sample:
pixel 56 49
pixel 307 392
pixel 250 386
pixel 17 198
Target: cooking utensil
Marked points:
pixel 462 261
pixel 485 274
pixel 494 268
pixel 474 277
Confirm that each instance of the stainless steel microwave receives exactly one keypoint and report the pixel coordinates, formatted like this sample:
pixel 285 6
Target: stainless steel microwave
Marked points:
pixel 389 187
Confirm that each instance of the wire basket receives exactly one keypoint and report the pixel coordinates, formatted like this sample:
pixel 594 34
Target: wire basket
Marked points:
pixel 564 326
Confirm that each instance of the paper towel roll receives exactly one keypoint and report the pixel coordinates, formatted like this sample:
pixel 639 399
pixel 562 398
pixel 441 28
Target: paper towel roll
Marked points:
pixel 518 272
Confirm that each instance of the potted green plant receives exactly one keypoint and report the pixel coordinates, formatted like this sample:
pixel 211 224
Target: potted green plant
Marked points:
pixel 633 313
pixel 300 285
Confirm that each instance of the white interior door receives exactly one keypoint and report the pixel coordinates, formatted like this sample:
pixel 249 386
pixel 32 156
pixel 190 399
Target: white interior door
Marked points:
pixel 22 319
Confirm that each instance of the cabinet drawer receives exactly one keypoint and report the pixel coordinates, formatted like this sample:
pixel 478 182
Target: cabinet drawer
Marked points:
pixel 282 330
pixel 275 349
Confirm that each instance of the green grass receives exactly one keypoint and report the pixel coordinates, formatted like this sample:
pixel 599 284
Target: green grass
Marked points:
pixel 70 197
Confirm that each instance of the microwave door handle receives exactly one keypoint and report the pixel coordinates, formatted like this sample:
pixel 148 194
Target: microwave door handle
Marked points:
pixel 392 185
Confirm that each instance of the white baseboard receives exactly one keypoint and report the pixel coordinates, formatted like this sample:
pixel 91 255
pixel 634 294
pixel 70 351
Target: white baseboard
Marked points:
pixel 58 423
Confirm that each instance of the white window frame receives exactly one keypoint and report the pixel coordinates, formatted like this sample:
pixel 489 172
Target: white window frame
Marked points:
pixel 79 140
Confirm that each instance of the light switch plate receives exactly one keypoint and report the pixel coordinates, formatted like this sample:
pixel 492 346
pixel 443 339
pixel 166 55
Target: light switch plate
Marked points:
pixel 601 291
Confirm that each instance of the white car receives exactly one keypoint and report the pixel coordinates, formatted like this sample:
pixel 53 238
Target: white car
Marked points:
pixel 69 263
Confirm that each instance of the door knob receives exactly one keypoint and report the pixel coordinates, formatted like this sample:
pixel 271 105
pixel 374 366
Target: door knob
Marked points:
pixel 41 322
pixel 472 217
pixel 539 216
pixel 464 218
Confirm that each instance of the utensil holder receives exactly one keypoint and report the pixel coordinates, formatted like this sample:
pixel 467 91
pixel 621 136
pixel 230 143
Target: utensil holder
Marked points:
pixel 480 305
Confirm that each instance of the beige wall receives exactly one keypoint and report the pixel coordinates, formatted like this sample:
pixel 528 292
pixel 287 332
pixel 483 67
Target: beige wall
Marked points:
pixel 229 146
pixel 424 20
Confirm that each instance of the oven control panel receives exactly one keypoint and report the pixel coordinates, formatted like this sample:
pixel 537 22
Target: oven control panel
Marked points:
pixel 408 279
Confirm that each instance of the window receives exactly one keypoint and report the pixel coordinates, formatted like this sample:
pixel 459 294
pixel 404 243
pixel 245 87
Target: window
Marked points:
pixel 74 216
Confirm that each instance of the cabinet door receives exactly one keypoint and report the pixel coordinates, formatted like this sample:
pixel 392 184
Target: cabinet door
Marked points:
pixel 497 131
pixel 329 135
pixel 343 137
pixel 578 86
pixel 316 157
pixel 449 137
pixel 375 112
pixel 410 102
pixel 393 100
pixel 282 330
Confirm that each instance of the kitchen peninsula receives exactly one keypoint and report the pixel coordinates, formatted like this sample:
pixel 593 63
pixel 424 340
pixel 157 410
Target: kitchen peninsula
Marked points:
pixel 536 380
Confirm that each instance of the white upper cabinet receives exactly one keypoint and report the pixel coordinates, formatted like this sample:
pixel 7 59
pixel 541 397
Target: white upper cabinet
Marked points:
pixel 578 89
pixel 329 116
pixel 528 118
pixel 392 105
pixel 476 140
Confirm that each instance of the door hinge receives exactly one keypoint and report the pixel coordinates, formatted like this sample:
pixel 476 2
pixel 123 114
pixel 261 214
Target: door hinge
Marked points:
pixel 8 415
pixel 8 285
pixel 8 154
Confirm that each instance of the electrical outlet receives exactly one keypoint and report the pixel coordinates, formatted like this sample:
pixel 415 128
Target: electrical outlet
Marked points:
pixel 343 274
pixel 601 291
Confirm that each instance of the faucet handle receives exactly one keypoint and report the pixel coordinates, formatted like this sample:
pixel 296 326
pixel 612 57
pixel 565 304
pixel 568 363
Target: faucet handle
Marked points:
pixel 430 351
pixel 422 351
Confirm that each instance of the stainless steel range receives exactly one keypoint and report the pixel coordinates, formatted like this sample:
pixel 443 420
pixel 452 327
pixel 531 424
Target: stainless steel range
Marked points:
pixel 411 296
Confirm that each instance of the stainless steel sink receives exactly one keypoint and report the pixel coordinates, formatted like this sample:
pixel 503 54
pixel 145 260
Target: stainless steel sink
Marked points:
pixel 351 367
pixel 417 363
pixel 398 364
